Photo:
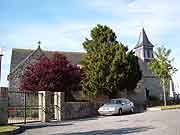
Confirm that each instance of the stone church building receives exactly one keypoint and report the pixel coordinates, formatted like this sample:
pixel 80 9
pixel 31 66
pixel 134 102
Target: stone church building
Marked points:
pixel 144 51
pixel 148 86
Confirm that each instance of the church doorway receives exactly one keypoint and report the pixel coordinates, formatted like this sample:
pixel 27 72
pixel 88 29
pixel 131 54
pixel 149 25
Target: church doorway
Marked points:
pixel 147 94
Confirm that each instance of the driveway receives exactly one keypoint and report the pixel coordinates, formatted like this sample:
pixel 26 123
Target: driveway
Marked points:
pixel 148 123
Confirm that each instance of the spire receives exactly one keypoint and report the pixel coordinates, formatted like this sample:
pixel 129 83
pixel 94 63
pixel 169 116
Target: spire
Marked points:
pixel 143 40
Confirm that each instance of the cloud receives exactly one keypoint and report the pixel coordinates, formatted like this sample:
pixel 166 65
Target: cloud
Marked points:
pixel 158 15
pixel 126 17
pixel 63 37
pixel 60 36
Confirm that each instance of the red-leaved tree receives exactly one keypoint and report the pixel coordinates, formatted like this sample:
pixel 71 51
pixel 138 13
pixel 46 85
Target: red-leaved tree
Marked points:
pixel 56 74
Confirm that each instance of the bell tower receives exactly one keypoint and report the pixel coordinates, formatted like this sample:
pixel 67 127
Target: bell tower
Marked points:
pixel 144 48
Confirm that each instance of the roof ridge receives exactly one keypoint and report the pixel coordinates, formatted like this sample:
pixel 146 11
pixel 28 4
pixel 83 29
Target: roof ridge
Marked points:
pixel 64 51
pixel 48 50
pixel 23 49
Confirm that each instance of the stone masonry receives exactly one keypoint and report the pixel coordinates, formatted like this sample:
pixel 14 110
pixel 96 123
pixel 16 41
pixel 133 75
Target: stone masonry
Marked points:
pixel 16 73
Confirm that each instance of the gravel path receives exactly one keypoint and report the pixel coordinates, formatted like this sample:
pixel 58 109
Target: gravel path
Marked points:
pixel 148 123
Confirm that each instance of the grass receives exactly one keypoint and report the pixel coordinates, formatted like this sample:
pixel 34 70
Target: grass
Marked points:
pixel 6 128
pixel 170 107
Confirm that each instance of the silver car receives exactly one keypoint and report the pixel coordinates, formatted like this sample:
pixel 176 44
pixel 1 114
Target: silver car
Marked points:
pixel 117 106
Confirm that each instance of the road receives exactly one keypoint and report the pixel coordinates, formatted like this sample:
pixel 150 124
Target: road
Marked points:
pixel 148 123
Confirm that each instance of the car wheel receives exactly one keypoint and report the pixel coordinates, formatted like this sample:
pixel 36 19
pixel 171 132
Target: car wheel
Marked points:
pixel 120 111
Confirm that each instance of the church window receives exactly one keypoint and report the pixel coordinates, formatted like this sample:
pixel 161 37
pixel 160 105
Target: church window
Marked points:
pixel 145 53
pixel 148 54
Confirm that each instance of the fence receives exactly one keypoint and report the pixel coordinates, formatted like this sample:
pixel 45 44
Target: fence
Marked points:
pixel 23 106
pixel 44 106
pixel 3 105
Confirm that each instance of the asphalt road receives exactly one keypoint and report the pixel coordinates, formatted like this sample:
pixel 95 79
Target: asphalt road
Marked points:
pixel 148 123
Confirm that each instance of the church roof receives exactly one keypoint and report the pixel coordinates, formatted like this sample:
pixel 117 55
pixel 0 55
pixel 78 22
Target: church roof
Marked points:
pixel 20 55
pixel 143 40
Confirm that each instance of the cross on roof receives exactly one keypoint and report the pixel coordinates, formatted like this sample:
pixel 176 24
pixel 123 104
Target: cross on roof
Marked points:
pixel 39 43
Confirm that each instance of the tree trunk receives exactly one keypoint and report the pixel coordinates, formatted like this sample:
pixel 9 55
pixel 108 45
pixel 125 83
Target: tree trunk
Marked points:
pixel 164 92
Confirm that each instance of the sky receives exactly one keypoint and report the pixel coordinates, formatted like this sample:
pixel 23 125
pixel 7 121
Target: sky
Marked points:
pixel 63 25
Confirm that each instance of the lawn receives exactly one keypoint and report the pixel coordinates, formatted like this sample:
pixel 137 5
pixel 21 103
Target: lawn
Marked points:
pixel 7 128
pixel 170 107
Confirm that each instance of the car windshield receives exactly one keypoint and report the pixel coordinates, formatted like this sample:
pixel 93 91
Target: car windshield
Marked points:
pixel 115 102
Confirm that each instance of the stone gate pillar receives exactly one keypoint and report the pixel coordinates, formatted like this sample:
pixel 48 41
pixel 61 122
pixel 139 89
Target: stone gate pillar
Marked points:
pixel 41 95
pixel 3 106
pixel 56 106
pixel 59 106
pixel 44 103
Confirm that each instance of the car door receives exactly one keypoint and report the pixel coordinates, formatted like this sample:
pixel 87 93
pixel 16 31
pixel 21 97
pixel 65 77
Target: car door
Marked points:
pixel 123 105
pixel 119 105
pixel 128 104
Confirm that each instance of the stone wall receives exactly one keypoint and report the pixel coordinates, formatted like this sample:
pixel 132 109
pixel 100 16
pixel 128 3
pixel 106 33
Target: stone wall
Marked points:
pixel 74 110
pixel 154 87
pixel 150 81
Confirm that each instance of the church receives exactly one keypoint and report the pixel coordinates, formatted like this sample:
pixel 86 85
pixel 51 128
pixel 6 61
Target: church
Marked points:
pixel 148 86
pixel 144 51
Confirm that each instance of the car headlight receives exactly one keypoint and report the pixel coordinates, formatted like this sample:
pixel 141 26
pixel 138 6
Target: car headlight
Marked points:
pixel 100 109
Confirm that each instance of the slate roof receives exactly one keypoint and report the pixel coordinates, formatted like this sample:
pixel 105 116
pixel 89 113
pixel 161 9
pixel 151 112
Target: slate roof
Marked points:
pixel 19 55
pixel 143 40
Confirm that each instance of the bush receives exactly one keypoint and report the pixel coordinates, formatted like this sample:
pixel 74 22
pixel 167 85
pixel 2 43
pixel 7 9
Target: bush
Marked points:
pixel 154 101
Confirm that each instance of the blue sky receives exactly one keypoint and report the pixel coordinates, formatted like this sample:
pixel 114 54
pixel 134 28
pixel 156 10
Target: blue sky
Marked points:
pixel 64 24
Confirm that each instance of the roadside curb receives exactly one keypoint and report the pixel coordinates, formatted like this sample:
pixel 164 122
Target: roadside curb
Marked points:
pixel 18 130
pixel 171 109
pixel 160 109
pixel 154 109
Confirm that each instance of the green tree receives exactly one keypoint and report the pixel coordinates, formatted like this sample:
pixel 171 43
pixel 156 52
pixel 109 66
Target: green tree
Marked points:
pixel 162 67
pixel 108 66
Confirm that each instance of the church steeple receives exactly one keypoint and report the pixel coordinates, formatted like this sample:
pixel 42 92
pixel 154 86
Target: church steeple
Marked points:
pixel 143 40
pixel 144 48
